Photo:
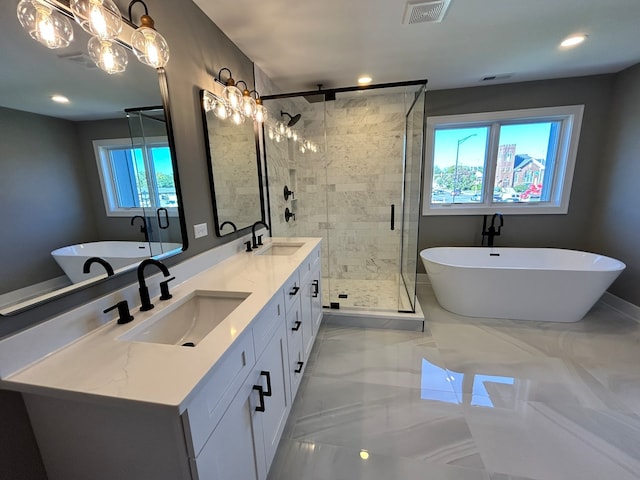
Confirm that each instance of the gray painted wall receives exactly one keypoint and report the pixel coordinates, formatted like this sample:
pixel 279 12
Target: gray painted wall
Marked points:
pixel 563 231
pixel 198 50
pixel 615 224
pixel 41 194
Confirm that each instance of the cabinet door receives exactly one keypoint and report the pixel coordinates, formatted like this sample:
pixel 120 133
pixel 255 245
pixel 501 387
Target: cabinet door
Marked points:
pixel 306 317
pixel 316 300
pixel 294 346
pixel 234 449
pixel 274 370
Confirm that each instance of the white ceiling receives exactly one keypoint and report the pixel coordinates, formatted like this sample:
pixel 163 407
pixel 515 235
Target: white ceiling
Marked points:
pixel 302 43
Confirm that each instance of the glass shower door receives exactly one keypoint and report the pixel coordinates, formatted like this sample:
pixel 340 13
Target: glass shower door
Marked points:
pixel 154 177
pixel 414 154
pixel 364 142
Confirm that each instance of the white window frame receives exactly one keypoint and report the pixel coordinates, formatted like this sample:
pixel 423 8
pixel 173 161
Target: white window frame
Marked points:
pixel 571 118
pixel 107 182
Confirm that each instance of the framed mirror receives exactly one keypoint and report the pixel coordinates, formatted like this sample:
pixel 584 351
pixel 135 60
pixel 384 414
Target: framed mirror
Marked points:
pixel 93 177
pixel 233 160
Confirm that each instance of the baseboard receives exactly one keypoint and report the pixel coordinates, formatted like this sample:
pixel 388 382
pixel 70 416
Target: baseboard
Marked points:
pixel 368 319
pixel 617 303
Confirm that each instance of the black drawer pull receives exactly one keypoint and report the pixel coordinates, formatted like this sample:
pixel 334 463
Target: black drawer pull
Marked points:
pixel 299 369
pixel 297 324
pixel 268 375
pixel 294 291
pixel 316 288
pixel 260 408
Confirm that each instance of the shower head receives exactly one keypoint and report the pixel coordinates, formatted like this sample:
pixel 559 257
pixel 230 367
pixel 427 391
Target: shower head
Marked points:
pixel 293 119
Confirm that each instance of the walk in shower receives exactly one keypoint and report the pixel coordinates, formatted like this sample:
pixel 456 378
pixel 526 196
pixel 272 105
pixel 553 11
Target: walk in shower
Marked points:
pixel 349 170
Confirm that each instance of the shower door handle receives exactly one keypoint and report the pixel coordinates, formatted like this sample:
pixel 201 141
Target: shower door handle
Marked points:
pixel 393 217
pixel 164 225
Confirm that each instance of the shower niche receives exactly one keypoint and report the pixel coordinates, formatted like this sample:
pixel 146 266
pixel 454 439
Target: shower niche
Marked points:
pixel 368 157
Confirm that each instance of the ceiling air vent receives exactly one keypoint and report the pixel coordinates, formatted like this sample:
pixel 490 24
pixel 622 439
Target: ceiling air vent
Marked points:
pixel 79 58
pixel 425 12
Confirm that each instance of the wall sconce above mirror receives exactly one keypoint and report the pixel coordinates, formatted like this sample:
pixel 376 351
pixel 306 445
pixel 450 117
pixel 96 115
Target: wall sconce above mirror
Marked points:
pixel 46 22
pixel 233 161
pixel 76 173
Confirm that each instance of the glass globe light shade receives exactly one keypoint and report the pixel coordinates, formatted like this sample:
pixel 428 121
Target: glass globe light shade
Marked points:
pixel 101 18
pixel 149 46
pixel 232 95
pixel 261 112
pixel 282 128
pixel 248 105
pixel 50 28
pixel 107 55
pixel 237 117
pixel 294 136
pixel 209 102
pixel 222 111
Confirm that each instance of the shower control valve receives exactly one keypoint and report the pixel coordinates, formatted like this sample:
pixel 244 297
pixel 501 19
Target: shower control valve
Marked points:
pixel 288 215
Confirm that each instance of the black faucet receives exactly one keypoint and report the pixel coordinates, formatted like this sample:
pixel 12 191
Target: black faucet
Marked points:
pixel 492 231
pixel 143 227
pixel 145 301
pixel 233 225
pixel 254 240
pixel 124 316
pixel 86 268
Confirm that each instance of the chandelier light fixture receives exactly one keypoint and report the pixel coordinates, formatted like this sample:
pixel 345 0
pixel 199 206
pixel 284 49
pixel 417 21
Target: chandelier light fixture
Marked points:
pixel 44 24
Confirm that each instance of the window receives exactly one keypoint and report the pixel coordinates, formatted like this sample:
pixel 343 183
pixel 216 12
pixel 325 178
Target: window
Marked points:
pixel 136 177
pixel 520 161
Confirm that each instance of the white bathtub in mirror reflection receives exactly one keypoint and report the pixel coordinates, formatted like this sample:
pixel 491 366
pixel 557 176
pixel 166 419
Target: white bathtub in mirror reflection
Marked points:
pixel 119 255
pixel 545 284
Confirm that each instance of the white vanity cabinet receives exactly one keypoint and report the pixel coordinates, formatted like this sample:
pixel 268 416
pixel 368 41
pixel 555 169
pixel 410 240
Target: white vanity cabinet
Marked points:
pixel 243 443
pixel 226 421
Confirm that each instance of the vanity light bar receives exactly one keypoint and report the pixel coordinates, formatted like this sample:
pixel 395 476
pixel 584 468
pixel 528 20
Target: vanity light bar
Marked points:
pixel 47 22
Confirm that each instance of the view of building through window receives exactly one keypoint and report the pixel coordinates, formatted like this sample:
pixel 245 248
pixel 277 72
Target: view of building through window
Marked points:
pixel 523 164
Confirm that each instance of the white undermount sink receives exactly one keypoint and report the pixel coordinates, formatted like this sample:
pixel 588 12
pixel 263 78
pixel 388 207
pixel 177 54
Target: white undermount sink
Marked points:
pixel 281 249
pixel 192 320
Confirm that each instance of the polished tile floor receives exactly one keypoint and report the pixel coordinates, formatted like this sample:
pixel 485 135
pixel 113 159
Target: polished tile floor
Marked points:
pixel 469 399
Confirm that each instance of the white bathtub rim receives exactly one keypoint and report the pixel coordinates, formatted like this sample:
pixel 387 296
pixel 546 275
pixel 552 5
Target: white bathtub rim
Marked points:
pixel 615 264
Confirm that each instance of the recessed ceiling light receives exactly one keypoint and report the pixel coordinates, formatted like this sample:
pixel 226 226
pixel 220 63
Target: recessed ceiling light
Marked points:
pixel 364 80
pixel 573 40
pixel 59 98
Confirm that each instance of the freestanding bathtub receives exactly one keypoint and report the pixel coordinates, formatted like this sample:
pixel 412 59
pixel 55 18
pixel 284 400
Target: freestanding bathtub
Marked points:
pixel 519 283
pixel 119 254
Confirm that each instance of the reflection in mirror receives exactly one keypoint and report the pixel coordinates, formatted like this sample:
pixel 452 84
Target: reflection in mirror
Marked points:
pixel 53 191
pixel 234 176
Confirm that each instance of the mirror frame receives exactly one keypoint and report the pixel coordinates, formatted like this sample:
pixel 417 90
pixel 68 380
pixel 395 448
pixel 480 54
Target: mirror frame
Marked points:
pixel 260 185
pixel 71 289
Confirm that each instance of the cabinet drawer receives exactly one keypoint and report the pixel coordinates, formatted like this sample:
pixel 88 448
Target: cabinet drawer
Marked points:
pixel 291 290
pixel 209 403
pixel 309 264
pixel 263 326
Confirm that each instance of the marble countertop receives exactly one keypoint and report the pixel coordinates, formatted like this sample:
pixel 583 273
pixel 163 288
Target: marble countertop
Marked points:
pixel 102 367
